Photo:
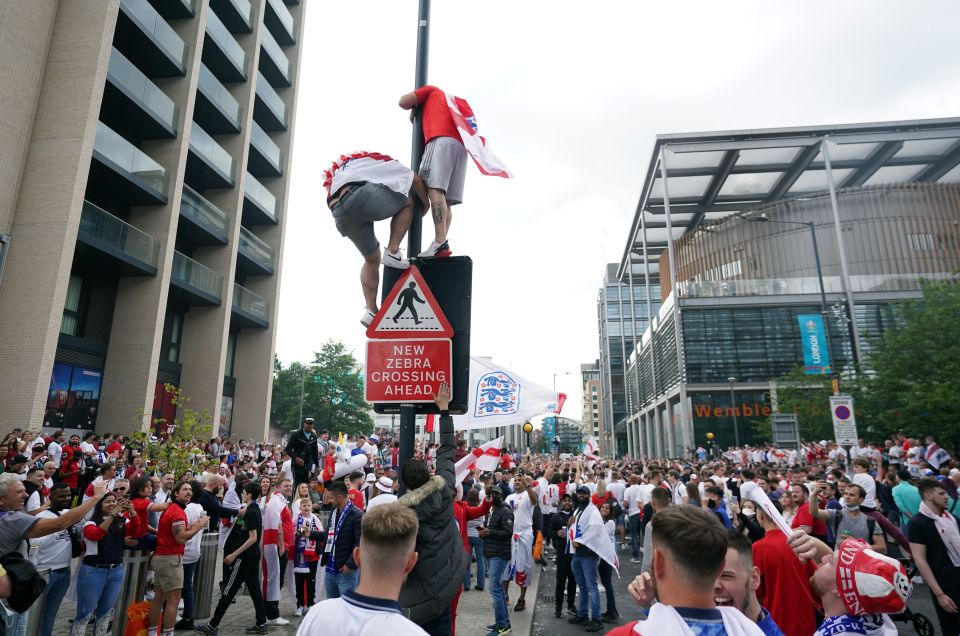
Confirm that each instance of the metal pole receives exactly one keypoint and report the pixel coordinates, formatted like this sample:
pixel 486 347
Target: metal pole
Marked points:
pixel 733 409
pixel 408 412
pixel 823 307
pixel 423 54
pixel 844 269
pixel 303 373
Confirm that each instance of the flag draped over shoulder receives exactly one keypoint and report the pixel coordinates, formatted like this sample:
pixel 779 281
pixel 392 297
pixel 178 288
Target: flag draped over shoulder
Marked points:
pixel 500 397
pixel 589 531
pixel 486 459
pixel 488 163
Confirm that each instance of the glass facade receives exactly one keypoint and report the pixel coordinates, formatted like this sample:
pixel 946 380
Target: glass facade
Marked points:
pixel 73 397
pixel 713 413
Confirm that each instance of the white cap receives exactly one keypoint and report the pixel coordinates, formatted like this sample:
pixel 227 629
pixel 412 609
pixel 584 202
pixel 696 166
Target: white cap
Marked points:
pixel 385 484
pixel 370 478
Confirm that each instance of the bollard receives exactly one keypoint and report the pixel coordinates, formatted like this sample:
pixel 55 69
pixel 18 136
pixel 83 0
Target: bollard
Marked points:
pixel 206 576
pixel 135 565
pixel 35 615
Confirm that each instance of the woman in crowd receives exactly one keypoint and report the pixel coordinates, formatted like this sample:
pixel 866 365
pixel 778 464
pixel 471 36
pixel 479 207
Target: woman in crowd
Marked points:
pixel 605 569
pixel 101 571
pixel 302 492
pixel 307 549
pixel 601 496
pixel 744 519
pixel 139 533
pixel 693 494
pixel 789 507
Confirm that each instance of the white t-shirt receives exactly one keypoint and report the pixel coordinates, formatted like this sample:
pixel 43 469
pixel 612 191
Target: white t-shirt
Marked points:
pixel 522 511
pixel 191 549
pixel 55 452
pixel 53 550
pixel 286 470
pixel 357 615
pixel 617 488
pixel 646 493
pixel 896 454
pixel 632 496
pixel 550 499
pixel 87 448
pixel 34 501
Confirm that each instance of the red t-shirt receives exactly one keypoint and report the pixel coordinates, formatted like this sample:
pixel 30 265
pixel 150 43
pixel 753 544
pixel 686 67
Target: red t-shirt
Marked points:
pixel 137 527
pixel 166 542
pixel 286 522
pixel 70 465
pixel 598 500
pixel 804 518
pixel 356 497
pixel 437 120
pixel 114 447
pixel 782 581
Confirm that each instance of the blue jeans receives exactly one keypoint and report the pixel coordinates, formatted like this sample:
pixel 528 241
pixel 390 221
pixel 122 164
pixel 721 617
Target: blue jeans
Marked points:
pixel 57 584
pixel 497 568
pixel 186 593
pixel 337 583
pixel 16 623
pixel 635 538
pixel 585 571
pixel 476 549
pixel 97 589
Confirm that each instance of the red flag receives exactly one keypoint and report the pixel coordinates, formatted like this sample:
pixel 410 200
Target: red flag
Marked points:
pixel 561 398
pixel 430 423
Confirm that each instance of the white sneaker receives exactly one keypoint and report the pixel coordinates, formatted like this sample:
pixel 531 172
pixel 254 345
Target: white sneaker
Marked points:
pixel 396 261
pixel 368 317
pixel 437 250
pixel 299 612
pixel 279 620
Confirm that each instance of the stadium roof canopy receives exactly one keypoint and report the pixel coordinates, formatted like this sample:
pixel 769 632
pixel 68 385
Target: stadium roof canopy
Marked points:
pixel 714 174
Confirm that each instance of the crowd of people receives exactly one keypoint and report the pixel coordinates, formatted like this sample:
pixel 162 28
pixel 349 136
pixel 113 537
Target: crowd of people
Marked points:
pixel 752 541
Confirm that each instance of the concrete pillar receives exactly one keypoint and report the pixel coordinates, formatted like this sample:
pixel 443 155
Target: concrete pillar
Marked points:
pixel 136 335
pixel 52 73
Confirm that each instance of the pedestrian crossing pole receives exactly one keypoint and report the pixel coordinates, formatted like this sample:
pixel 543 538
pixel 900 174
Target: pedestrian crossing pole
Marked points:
pixel 408 412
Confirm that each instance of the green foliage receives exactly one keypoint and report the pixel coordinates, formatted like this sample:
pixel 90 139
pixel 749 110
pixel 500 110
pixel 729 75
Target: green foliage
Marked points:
pixel 332 392
pixel 175 453
pixel 915 385
pixel 809 397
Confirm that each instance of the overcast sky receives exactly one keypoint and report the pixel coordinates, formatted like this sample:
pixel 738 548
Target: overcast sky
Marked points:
pixel 570 95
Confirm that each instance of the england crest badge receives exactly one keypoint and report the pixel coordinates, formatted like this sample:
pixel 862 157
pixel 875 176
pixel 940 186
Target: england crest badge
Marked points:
pixel 497 394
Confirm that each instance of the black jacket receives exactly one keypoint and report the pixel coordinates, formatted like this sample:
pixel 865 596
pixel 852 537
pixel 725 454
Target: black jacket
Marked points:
pixel 559 522
pixel 433 582
pixel 304 447
pixel 497 543
pixel 347 539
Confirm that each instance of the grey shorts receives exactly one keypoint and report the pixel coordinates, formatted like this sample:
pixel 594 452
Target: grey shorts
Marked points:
pixel 444 167
pixel 357 210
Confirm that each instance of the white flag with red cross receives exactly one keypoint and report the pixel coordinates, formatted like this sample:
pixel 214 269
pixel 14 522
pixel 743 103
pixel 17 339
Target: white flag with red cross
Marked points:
pixel 486 458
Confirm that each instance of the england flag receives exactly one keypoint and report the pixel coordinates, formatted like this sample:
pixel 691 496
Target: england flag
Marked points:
pixel 488 163
pixel 588 530
pixel 485 459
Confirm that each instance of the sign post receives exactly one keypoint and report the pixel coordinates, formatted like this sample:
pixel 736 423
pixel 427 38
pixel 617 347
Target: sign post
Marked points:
pixel 844 422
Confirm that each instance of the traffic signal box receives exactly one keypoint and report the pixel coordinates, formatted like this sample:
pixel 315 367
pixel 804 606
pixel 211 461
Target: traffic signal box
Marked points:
pixel 449 281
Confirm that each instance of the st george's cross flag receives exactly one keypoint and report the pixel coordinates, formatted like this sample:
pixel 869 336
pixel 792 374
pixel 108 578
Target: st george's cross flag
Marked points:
pixel 485 459
pixel 501 397
pixel 592 448
pixel 588 530
pixel 488 163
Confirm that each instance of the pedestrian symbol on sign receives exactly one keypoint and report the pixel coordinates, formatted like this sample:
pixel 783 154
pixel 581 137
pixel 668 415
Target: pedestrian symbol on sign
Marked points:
pixel 406 299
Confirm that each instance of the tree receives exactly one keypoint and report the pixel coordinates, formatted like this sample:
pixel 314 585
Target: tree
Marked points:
pixel 809 397
pixel 173 450
pixel 332 392
pixel 915 385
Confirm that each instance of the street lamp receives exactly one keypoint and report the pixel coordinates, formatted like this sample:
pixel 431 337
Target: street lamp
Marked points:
pixel 763 218
pixel 733 408
pixel 528 428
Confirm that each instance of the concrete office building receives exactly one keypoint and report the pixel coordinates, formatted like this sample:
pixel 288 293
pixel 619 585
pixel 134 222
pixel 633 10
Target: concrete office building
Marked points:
pixel 727 221
pixel 147 150
pixel 590 394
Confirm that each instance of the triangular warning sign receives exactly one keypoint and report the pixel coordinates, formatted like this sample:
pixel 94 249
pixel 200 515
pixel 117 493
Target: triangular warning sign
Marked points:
pixel 410 311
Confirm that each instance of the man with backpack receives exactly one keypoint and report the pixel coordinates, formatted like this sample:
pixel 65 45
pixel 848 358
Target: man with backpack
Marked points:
pixel 850 522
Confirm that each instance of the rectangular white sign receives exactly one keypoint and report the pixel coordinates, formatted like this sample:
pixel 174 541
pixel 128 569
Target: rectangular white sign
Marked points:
pixel 844 422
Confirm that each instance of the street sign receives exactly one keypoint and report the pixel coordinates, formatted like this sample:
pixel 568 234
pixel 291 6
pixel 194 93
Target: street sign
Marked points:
pixel 844 422
pixel 410 311
pixel 785 430
pixel 407 371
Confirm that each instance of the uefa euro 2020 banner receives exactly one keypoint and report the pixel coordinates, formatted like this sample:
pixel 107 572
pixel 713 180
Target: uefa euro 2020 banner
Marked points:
pixel 816 354
pixel 500 397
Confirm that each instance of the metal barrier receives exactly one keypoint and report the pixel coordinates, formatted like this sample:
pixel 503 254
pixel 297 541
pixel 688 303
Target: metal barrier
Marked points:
pixel 135 564
pixel 35 613
pixel 205 580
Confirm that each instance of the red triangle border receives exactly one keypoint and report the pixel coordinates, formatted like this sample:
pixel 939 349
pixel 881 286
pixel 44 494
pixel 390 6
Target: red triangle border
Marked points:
pixel 447 330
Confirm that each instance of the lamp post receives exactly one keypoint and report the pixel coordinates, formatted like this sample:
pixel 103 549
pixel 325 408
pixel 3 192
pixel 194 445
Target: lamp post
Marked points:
pixel 733 409
pixel 528 428
pixel 303 373
pixel 763 218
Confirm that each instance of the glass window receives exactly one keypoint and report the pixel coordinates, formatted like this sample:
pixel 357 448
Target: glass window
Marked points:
pixel 74 397
pixel 176 337
pixel 70 324
pixel 231 354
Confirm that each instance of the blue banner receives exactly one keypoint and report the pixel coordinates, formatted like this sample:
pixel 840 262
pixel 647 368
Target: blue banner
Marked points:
pixel 549 428
pixel 816 355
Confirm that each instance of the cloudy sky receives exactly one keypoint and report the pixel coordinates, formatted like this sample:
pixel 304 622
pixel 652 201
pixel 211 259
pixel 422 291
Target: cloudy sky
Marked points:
pixel 570 95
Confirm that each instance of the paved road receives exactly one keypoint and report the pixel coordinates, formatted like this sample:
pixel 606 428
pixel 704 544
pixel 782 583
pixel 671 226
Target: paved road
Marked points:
pixel 544 623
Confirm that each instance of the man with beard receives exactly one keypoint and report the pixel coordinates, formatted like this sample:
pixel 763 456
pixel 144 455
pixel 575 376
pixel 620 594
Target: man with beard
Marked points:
pixel 558 534
pixel 584 564
pixel 689 549
pixel 738 582
pixel 497 536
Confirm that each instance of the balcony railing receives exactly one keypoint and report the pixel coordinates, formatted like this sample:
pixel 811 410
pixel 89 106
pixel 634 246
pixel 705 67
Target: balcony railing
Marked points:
pixel 204 214
pixel 279 21
pixel 152 24
pixel 269 109
pixel 804 285
pixel 261 198
pixel 221 113
pixel 126 77
pixel 254 249
pixel 266 160
pixel 124 157
pixel 100 229
pixel 274 65
pixel 174 9
pixel 212 153
pixel 228 60
pixel 191 276
pixel 235 14
pixel 251 306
